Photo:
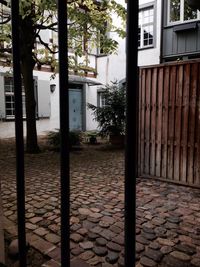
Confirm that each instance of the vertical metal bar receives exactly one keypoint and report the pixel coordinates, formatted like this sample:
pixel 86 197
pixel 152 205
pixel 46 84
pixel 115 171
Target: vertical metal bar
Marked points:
pixel 18 132
pixel 131 131
pixel 64 132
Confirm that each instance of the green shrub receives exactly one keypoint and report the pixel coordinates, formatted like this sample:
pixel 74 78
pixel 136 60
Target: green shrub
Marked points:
pixel 53 139
pixel 111 117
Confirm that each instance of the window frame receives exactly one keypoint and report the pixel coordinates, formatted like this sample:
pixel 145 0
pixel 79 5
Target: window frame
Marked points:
pixel 181 20
pixel 99 98
pixel 99 50
pixel 11 93
pixel 142 9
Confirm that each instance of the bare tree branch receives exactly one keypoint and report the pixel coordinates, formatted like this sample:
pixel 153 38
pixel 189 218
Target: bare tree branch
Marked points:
pixel 5 21
pixel 3 2
pixel 47 27
pixel 37 60
pixel 5 50
pixel 46 45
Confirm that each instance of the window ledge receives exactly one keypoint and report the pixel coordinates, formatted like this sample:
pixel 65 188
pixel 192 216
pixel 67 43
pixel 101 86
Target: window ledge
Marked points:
pixel 179 23
pixel 185 27
pixel 144 48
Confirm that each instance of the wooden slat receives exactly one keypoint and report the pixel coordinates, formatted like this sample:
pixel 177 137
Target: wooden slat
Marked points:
pixel 139 123
pixel 165 122
pixel 177 132
pixel 191 126
pixel 197 137
pixel 142 121
pixel 172 90
pixel 147 120
pixel 184 129
pixel 159 122
pixel 153 121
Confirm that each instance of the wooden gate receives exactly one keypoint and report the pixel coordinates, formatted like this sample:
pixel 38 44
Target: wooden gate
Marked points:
pixel 169 126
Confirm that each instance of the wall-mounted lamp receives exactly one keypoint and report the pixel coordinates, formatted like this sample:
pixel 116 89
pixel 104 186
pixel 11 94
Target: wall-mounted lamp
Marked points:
pixel 52 87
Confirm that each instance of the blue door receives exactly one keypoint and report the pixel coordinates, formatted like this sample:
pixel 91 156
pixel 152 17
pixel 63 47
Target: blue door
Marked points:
pixel 75 109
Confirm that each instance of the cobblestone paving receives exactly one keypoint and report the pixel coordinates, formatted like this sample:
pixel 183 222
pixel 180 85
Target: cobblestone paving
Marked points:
pixel 168 216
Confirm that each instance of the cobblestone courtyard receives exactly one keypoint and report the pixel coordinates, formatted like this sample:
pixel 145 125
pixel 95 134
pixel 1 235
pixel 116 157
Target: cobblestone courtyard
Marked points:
pixel 168 216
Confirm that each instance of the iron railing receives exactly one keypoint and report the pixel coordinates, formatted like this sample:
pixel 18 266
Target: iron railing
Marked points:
pixel 131 133
pixel 18 133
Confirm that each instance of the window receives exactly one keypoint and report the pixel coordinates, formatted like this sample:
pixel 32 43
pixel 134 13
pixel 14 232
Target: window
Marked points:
pixel 145 30
pixel 101 99
pixel 10 100
pixel 179 11
pixel 103 35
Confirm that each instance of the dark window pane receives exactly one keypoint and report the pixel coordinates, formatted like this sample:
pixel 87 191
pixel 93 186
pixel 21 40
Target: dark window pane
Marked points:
pixel 8 105
pixel 146 35
pixel 174 10
pixel 8 112
pixel 188 12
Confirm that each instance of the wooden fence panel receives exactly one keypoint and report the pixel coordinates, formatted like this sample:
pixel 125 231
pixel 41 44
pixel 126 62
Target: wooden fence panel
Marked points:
pixel 172 90
pixel 147 121
pixel 169 122
pixel 197 135
pixel 165 122
pixel 177 132
pixel 159 123
pixel 191 127
pixel 139 123
pixel 185 118
pixel 153 121
pixel 142 123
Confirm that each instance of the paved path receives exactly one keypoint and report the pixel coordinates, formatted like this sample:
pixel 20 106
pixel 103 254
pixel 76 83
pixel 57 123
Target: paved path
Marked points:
pixel 168 216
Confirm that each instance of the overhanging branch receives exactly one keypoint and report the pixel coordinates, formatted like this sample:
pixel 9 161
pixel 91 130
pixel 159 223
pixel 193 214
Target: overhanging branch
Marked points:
pixel 3 2
pixel 46 45
pixel 5 21
pixel 47 27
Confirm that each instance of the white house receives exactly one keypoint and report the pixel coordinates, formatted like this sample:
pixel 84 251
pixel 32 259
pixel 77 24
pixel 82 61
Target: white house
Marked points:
pixel 83 89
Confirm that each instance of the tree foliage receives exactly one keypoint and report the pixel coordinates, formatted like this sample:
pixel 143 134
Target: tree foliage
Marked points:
pixel 111 117
pixel 86 24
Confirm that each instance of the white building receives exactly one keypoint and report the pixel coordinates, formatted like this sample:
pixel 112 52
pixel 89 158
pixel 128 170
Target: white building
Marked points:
pixel 86 89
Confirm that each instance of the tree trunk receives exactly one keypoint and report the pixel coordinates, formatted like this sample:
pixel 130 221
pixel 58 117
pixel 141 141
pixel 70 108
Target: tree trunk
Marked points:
pixel 31 132
pixel 27 41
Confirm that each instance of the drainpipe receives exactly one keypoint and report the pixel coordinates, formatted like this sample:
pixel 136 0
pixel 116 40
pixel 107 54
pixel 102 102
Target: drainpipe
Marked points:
pixel 161 30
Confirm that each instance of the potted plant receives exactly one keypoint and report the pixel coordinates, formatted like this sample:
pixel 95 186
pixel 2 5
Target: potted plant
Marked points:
pixel 111 116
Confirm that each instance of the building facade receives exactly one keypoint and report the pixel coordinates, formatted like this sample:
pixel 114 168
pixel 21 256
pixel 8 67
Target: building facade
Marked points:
pixel 85 86
pixel 180 31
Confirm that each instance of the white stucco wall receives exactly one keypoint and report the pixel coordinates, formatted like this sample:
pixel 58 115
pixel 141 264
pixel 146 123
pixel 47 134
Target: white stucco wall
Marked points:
pixel 7 128
pixel 151 56
pixel 43 125
pixel 91 97
pixel 113 67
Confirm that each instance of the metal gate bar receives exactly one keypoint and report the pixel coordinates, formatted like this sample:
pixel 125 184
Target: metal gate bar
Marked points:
pixel 18 133
pixel 131 131
pixel 64 132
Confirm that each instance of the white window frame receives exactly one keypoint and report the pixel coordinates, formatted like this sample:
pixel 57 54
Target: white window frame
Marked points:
pixel 102 102
pixel 11 93
pixel 142 46
pixel 181 21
